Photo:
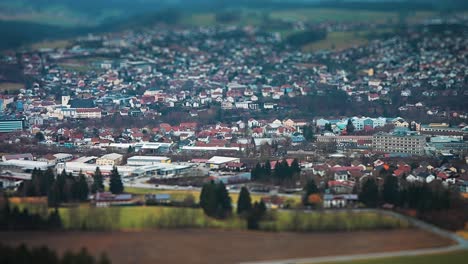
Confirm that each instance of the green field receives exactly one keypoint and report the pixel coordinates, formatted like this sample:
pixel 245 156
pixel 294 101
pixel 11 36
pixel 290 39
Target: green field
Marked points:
pixel 147 217
pixel 458 257
pixel 182 194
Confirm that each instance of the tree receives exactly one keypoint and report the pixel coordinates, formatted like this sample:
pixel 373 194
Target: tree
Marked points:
pixel 309 133
pixel 215 200
pixel 116 185
pixel 267 169
pixel 98 184
pixel 309 188
pixel 256 214
pixel 350 127
pixel 83 189
pixel 295 167
pixel 53 197
pixel 224 207
pixel 208 198
pixel 370 193
pixel 390 189
pixel 244 202
pixel 328 127
pixel 39 137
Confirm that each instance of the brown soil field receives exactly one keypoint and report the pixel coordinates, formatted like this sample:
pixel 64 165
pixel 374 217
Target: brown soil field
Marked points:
pixel 218 246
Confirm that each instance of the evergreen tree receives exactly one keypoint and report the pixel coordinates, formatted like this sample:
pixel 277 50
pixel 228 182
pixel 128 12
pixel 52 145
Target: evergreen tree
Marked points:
pixel 83 189
pixel 390 189
pixel 215 200
pixel 309 188
pixel 350 127
pixel 208 198
pixel 308 133
pixel 116 185
pixel 61 180
pixel 53 197
pixel 295 167
pixel 256 214
pixel 98 182
pixel 267 169
pixel 370 193
pixel 224 207
pixel 244 202
pixel 328 127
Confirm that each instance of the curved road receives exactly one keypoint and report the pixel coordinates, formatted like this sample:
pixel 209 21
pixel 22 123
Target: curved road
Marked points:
pixel 462 244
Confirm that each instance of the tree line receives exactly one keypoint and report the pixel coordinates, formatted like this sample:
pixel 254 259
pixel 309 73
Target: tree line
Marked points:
pixel 11 218
pixel 282 171
pixel 432 202
pixel 39 255
pixel 65 188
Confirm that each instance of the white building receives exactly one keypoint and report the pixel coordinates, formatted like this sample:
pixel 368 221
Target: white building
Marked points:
pixel 147 160
pixel 111 159
pixel 217 162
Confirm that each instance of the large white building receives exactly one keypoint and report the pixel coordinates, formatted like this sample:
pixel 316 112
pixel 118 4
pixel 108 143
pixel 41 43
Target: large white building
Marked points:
pixel 111 159
pixel 217 162
pixel 147 160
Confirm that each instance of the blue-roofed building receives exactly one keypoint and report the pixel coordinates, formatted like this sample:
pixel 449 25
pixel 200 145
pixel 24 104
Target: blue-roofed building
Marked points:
pixel 11 125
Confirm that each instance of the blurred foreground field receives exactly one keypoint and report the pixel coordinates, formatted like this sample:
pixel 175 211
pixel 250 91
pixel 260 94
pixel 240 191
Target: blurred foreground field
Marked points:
pixel 457 257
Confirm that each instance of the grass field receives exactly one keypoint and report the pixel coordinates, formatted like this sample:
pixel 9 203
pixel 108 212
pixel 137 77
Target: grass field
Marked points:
pixel 148 217
pixel 53 44
pixel 458 257
pixel 342 15
pixel 9 86
pixel 182 194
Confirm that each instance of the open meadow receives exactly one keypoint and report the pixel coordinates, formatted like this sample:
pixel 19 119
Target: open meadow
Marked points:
pixel 223 246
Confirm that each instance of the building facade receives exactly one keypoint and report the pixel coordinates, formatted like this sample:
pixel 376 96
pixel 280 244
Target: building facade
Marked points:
pixel 399 143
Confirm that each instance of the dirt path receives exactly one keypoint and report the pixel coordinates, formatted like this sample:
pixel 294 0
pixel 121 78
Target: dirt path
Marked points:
pixel 217 246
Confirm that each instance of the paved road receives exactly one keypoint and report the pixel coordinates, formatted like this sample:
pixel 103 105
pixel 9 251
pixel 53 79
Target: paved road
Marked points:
pixel 462 244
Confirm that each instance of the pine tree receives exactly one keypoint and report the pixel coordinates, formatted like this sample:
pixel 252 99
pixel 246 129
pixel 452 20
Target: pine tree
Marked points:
pixel 83 189
pixel 224 207
pixel 98 184
pixel 350 127
pixel 53 197
pixel 370 193
pixel 244 202
pixel 295 167
pixel 267 169
pixel 208 198
pixel 309 133
pixel 309 188
pixel 390 189
pixel 116 185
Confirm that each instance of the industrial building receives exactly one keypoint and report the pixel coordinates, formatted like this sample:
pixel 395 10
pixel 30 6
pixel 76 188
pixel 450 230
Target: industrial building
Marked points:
pixel 112 159
pixel 147 160
pixel 218 162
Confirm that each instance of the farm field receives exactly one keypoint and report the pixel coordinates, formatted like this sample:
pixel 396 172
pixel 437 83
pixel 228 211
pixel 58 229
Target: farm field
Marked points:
pixel 181 194
pixel 151 217
pixel 53 44
pixel 457 257
pixel 9 86
pixel 221 246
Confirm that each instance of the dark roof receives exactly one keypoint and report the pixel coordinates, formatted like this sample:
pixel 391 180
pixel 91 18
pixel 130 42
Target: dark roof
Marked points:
pixel 82 103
